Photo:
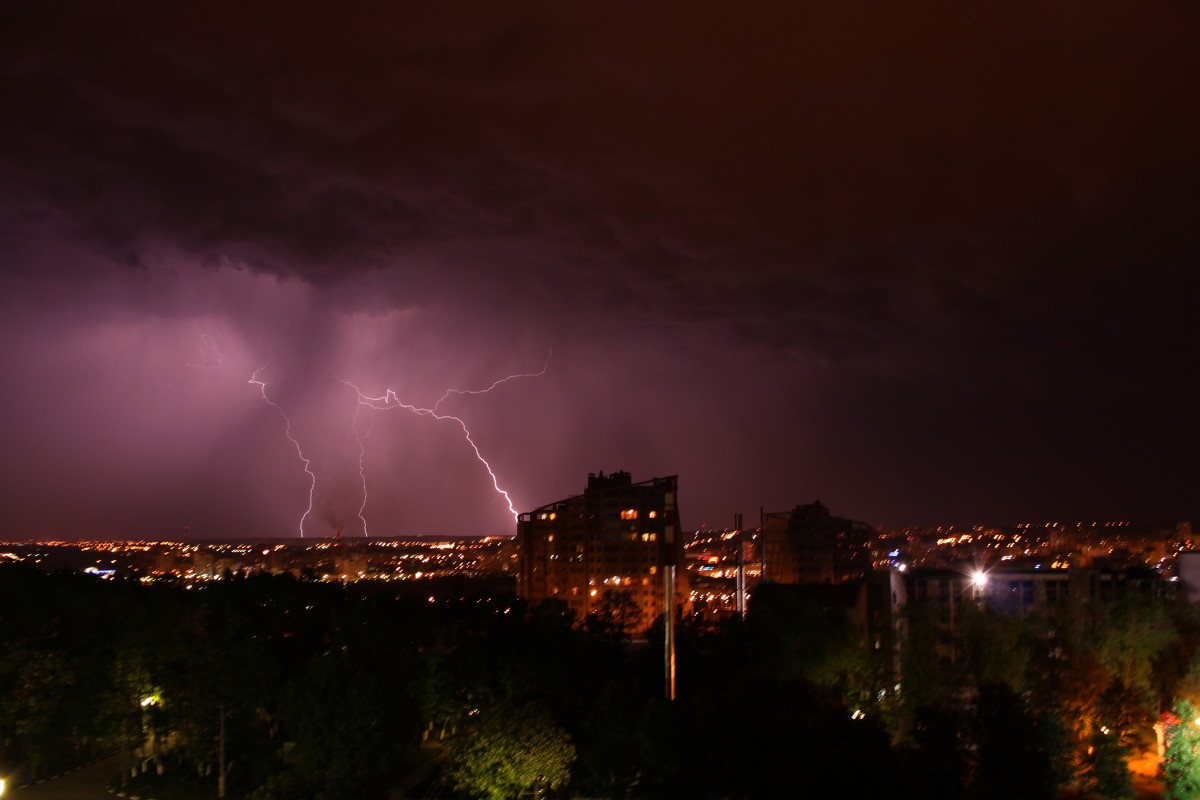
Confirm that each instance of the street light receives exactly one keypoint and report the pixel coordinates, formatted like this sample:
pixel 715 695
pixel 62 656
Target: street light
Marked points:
pixel 979 582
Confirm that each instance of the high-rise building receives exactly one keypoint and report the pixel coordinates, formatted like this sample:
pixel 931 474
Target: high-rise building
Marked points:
pixel 809 545
pixel 617 541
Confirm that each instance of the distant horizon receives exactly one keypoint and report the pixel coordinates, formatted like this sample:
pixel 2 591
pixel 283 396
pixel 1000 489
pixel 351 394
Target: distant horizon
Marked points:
pixel 1132 524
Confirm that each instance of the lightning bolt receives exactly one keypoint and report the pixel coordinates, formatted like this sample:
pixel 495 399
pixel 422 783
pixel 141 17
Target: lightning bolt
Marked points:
pixel 461 392
pixel 362 451
pixel 390 400
pixel 262 387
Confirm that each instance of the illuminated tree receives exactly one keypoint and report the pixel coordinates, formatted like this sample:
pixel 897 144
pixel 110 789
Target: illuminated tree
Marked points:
pixel 1182 760
pixel 501 752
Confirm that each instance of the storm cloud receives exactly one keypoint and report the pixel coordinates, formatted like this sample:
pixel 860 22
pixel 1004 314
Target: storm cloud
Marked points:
pixel 930 262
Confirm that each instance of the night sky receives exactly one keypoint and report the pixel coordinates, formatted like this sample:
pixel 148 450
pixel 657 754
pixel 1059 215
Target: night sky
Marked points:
pixel 929 262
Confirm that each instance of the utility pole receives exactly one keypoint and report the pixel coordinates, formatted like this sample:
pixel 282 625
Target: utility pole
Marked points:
pixel 221 754
pixel 762 542
pixel 669 630
pixel 670 550
pixel 741 566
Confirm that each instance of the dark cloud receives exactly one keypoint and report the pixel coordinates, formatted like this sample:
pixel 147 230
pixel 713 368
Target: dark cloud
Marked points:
pixel 784 252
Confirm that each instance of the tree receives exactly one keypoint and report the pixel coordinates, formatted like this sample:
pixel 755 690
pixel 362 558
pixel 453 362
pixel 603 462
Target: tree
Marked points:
pixel 1131 634
pixel 931 679
pixel 992 646
pixel 501 751
pixel 939 764
pixel 617 616
pixel 348 719
pixel 1182 760
pixel 37 701
pixel 1021 751
pixel 1106 766
pixel 1188 685
pixel 806 632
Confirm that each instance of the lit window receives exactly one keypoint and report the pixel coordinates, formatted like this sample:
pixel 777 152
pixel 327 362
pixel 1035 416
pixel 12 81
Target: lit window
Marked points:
pixel 653 514
pixel 629 513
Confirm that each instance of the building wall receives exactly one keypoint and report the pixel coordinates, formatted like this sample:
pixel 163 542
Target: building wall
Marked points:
pixel 1189 575
pixel 1021 591
pixel 616 537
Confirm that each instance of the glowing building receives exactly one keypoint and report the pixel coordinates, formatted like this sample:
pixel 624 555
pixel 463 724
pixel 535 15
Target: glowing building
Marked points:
pixel 617 538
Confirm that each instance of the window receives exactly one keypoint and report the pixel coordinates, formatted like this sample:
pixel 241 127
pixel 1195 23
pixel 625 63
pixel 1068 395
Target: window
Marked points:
pixel 629 513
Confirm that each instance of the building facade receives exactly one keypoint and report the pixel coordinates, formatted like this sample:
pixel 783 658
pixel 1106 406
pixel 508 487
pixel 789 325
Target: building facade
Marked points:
pixel 809 545
pixel 618 541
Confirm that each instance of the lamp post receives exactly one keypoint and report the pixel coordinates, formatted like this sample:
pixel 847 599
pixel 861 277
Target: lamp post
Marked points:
pixel 149 736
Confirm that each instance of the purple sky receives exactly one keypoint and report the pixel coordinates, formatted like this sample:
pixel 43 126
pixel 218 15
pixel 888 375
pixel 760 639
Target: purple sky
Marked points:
pixel 928 262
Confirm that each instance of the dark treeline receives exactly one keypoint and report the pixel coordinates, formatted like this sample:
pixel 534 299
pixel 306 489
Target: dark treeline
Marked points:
pixel 307 690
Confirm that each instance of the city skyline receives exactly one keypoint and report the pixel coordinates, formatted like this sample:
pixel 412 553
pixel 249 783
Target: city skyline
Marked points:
pixel 411 270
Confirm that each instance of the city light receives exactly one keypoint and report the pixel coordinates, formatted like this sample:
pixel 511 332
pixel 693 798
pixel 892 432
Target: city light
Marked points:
pixel 979 579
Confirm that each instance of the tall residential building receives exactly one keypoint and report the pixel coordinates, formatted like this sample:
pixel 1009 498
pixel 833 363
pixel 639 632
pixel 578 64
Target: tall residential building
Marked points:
pixel 618 537
pixel 809 545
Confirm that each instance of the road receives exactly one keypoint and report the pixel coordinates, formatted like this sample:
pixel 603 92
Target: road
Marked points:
pixel 82 784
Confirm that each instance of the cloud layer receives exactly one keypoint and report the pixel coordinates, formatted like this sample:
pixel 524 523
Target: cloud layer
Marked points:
pixel 927 262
